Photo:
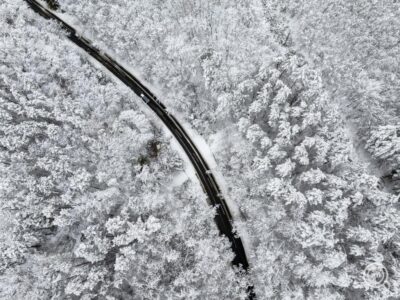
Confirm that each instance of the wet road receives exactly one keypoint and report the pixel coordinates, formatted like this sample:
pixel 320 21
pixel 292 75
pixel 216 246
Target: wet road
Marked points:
pixel 223 217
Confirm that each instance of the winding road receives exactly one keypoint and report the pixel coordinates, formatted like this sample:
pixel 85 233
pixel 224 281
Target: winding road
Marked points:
pixel 223 218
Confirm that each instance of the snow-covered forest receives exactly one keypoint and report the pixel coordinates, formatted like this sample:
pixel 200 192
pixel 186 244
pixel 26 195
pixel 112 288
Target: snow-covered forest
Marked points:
pixel 298 102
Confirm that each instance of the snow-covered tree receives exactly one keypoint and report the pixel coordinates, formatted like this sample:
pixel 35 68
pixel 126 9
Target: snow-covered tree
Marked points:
pixel 317 219
pixel 355 44
pixel 89 205
pixel 88 202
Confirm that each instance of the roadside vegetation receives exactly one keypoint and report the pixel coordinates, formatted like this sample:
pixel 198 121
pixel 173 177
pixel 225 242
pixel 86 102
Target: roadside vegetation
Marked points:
pixel 286 130
pixel 89 204
pixel 299 103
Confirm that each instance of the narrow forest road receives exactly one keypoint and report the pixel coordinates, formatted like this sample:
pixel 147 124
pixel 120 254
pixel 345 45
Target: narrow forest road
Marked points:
pixel 223 217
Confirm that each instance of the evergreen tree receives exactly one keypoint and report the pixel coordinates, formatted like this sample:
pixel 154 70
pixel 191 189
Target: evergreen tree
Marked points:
pixel 53 4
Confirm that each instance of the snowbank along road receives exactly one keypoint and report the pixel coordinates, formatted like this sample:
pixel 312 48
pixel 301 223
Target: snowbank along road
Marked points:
pixel 223 217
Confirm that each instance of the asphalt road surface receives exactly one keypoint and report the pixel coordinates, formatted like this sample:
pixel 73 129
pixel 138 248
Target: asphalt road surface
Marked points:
pixel 223 217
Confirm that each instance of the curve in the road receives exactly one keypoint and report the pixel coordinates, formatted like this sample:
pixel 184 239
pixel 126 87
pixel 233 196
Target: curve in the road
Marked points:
pixel 223 217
